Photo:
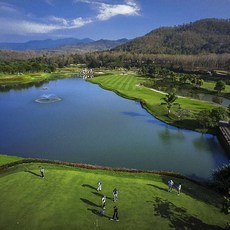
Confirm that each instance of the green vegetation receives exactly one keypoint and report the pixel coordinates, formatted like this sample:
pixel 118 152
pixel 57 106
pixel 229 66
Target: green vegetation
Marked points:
pixel 185 84
pixel 221 177
pixel 203 36
pixel 5 159
pixel 220 85
pixel 169 100
pixel 37 77
pixel 211 118
pixel 130 85
pixel 67 199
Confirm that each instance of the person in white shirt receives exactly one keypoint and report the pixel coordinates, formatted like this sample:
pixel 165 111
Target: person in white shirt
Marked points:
pixel 170 185
pixel 115 195
pixel 99 184
pixel 42 171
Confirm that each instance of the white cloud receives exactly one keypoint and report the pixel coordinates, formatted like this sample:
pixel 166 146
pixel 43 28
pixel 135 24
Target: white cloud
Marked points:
pixel 63 23
pixel 15 21
pixel 24 27
pixel 50 2
pixel 7 8
pixel 79 22
pixel 12 26
pixel 58 20
pixel 106 11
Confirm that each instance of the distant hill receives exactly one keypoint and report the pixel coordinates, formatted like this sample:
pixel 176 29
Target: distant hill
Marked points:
pixel 43 44
pixel 203 36
pixel 68 45
pixel 99 45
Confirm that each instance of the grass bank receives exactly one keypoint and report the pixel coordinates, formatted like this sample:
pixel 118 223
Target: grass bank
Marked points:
pixel 128 85
pixel 67 199
pixel 7 80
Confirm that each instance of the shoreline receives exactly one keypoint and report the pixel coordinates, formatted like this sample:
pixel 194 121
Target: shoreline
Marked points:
pixel 144 106
pixel 97 167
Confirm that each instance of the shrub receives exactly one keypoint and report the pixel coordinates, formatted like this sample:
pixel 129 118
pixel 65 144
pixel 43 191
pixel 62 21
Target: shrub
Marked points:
pixel 221 177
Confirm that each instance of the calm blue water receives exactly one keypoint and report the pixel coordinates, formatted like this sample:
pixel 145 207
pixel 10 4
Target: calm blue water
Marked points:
pixel 95 126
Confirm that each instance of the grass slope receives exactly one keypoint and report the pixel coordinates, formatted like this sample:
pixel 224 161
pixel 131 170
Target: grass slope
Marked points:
pixel 128 86
pixel 4 159
pixel 67 199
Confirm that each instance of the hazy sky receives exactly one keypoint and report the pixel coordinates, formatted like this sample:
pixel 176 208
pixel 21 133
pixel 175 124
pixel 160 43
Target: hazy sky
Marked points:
pixel 23 20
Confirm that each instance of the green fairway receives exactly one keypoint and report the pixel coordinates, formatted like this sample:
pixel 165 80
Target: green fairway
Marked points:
pixel 128 85
pixel 67 199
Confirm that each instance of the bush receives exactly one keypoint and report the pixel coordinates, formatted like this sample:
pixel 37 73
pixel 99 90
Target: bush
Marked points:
pixel 211 118
pixel 221 177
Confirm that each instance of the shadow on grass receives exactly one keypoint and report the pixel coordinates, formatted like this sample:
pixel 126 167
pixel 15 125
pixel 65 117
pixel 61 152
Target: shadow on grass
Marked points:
pixel 195 191
pixel 31 172
pixel 89 186
pixel 101 195
pixel 98 213
pixel 89 202
pixel 98 194
pixel 178 217
pixel 163 189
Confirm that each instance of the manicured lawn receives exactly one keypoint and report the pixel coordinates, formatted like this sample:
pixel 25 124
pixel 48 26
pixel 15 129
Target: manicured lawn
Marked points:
pixel 67 199
pixel 128 85
pixel 4 159
pixel 211 85
pixel 12 79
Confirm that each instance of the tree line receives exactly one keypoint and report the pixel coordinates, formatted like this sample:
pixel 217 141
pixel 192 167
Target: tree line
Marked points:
pixel 117 59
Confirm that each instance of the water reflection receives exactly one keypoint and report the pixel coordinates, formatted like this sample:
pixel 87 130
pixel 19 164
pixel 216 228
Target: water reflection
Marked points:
pixel 19 87
pixel 134 114
pixel 170 134
pixel 201 142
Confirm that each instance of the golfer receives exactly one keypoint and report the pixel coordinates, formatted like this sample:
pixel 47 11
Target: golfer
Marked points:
pixel 178 189
pixel 42 171
pixel 170 185
pixel 99 184
pixel 103 200
pixel 115 195
pixel 115 214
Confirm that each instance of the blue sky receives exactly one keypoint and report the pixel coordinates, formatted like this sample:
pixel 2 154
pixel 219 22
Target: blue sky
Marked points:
pixel 24 20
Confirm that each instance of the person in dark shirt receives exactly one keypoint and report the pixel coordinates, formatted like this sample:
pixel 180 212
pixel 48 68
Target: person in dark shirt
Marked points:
pixel 115 214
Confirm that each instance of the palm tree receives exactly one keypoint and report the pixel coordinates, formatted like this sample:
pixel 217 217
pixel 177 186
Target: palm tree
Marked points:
pixel 169 100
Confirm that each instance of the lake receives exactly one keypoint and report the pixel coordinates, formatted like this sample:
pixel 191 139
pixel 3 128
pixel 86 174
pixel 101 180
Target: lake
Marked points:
pixel 94 126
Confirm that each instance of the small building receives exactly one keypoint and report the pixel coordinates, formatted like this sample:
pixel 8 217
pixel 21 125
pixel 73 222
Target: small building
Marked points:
pixel 224 134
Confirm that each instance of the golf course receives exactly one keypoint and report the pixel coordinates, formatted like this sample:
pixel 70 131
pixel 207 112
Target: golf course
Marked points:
pixel 130 85
pixel 67 198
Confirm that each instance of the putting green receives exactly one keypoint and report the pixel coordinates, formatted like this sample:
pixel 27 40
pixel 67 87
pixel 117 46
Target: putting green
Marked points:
pixel 67 199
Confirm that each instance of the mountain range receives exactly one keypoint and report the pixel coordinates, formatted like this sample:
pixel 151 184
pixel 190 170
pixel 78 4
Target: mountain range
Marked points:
pixel 99 45
pixel 43 44
pixel 64 45
pixel 202 36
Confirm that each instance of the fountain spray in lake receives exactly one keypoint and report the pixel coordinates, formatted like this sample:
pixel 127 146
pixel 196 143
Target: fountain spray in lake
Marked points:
pixel 48 98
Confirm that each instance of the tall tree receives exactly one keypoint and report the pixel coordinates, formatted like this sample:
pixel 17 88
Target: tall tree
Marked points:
pixel 220 85
pixel 169 101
